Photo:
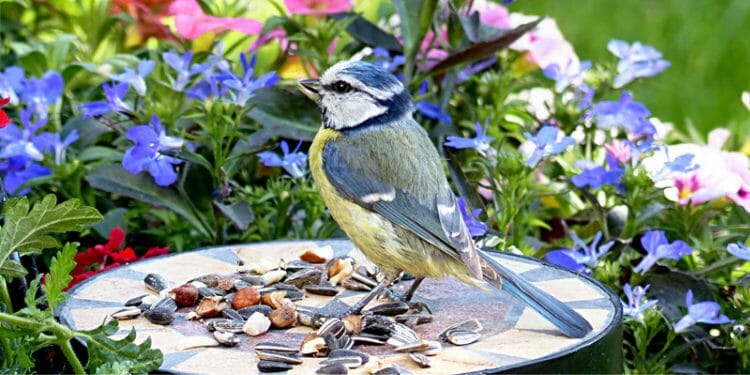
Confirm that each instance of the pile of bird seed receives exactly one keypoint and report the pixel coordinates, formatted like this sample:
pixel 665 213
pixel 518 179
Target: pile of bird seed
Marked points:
pixel 262 296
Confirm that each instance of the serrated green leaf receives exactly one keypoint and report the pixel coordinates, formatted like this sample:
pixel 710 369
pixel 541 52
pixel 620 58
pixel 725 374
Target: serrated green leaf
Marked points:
pixel 103 349
pixel 59 274
pixel 11 269
pixel 114 179
pixel 30 299
pixel 29 231
pixel 116 368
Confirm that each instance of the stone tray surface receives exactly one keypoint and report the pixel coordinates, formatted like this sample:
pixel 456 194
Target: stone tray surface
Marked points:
pixel 513 335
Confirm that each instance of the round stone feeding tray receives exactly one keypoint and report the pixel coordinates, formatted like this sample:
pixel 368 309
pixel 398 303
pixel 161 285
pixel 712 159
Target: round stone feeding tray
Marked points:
pixel 514 339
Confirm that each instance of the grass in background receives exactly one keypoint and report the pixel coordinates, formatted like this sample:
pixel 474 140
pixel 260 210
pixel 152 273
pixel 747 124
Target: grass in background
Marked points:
pixel 707 42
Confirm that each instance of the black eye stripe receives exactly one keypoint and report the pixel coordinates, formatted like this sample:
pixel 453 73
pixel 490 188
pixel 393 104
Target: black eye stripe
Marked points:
pixel 340 87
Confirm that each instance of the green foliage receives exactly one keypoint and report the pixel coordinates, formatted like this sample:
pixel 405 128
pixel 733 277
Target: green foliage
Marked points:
pixel 59 274
pixel 102 350
pixel 30 231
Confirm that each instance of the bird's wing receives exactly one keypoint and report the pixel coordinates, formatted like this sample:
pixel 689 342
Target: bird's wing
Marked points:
pixel 408 188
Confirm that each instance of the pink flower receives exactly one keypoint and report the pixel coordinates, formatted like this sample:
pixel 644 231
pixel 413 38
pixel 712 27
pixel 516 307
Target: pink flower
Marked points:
pixel 191 22
pixel 717 174
pixel 317 7
pixel 278 34
pixel 492 14
pixel 545 44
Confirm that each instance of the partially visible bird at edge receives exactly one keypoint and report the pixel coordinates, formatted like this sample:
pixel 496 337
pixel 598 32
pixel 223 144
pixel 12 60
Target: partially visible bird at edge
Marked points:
pixel 383 182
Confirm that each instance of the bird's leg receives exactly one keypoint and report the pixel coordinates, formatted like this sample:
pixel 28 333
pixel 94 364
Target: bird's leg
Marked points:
pixel 412 289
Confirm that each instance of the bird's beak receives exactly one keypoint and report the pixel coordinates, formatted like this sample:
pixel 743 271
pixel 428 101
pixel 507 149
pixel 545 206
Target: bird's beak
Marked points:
pixel 310 87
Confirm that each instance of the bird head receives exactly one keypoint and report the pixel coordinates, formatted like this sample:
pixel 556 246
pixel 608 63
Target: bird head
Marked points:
pixel 353 94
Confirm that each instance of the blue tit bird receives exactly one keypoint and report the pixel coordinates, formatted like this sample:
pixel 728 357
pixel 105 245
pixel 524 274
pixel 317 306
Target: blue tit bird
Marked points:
pixel 384 184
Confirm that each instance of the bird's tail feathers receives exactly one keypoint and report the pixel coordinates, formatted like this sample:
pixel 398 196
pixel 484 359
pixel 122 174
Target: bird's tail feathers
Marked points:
pixel 567 320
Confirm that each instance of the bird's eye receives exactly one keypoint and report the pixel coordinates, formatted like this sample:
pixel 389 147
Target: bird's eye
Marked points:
pixel 341 87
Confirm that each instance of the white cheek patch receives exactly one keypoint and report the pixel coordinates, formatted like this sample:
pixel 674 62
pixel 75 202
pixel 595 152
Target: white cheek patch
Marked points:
pixel 350 110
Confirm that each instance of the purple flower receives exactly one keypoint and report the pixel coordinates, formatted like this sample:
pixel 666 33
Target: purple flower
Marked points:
pixel 636 60
pixel 40 93
pixel 702 312
pixel 658 247
pixel 572 73
pixel 385 61
pixel 584 94
pixel 627 113
pixel 480 142
pixel 181 65
pixel 244 87
pixel 115 94
pixel 52 142
pixel 637 302
pixel 293 162
pixel 22 149
pixel 581 257
pixel 548 141
pixel 476 227
pixel 596 176
pixel 150 141
pixel 739 250
pixel 475 68
pixel 136 79
pixel 11 83
pixel 430 110
pixel 682 163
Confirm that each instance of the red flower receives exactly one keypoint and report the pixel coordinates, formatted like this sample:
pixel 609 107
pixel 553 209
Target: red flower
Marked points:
pixel 107 256
pixel 4 119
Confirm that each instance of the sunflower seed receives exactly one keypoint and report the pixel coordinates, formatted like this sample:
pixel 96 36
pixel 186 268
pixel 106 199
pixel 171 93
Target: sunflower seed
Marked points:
pixel 335 369
pixel 420 359
pixel 389 309
pixel 247 311
pixel 156 282
pixel 472 325
pixel 304 277
pixel 127 313
pixel 226 338
pixel 270 346
pixel 349 362
pixel 273 366
pixel 336 353
pixel 322 289
pixel 135 301
pixel 278 357
pixel 461 337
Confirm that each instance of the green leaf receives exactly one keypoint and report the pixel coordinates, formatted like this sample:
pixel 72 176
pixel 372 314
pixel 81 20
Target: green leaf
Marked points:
pixel 11 269
pixel 99 154
pixel 286 114
pixel 113 218
pixel 113 368
pixel 29 231
pixel 239 212
pixel 369 33
pixel 103 349
pixel 59 274
pixel 114 179
pixel 30 298
pixel 34 63
pixel 485 49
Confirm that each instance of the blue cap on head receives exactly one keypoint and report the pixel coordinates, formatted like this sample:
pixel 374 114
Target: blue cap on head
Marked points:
pixel 372 74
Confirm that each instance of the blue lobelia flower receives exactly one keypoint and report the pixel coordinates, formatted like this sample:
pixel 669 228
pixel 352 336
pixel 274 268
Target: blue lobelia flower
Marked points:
pixel 293 162
pixel 584 94
pixel 430 110
pixel 480 142
pixel 548 141
pixel 11 80
pixel 150 140
pixel 22 149
pixel 582 257
pixel 476 227
pixel 475 68
pixel 626 112
pixel 244 87
pixel 137 80
pixel 385 61
pixel 54 143
pixel 702 312
pixel 40 93
pixel 115 94
pixel 567 75
pixel 739 250
pixel 596 176
pixel 185 70
pixel 683 163
pixel 637 302
pixel 657 246
pixel 636 60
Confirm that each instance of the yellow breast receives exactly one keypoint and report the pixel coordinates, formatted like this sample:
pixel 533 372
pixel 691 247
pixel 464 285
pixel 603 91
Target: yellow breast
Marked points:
pixel 386 245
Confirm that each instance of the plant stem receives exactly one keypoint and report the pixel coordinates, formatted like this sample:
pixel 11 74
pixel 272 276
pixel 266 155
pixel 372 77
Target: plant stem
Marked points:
pixel 19 321
pixel 717 266
pixel 67 349
pixel 5 295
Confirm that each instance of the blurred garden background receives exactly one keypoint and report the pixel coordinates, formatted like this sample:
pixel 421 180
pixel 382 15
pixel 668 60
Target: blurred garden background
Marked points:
pixel 706 42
